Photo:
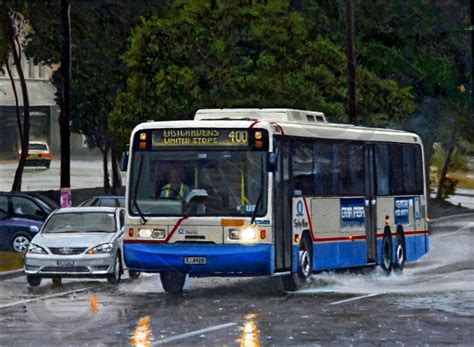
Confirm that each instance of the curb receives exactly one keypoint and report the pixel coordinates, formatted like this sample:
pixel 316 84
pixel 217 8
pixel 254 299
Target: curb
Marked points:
pixel 459 215
pixel 6 275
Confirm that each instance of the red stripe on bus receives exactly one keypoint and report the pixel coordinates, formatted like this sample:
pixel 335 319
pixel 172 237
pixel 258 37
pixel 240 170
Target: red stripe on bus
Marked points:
pixel 170 235
pixel 309 219
pixel 279 127
pixel 343 238
pixel 411 232
pixel 254 124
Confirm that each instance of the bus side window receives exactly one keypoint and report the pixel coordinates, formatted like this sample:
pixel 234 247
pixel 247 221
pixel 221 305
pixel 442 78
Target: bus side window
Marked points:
pixel 382 169
pixel 303 167
pixel 324 169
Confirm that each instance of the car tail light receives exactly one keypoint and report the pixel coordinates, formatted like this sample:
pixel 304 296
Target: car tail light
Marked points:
pixel 45 155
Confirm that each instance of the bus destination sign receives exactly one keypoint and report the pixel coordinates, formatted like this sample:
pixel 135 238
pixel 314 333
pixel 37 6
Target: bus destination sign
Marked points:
pixel 200 137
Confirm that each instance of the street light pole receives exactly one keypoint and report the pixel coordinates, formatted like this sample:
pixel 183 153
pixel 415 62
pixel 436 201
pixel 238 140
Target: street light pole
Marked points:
pixel 64 127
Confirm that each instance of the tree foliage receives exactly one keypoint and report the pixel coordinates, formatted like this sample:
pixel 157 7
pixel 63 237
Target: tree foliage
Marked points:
pixel 266 54
pixel 99 37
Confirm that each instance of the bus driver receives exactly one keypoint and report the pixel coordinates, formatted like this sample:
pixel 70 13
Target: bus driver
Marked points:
pixel 175 189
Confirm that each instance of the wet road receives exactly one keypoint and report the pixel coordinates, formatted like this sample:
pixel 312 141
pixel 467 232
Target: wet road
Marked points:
pixel 84 174
pixel 431 302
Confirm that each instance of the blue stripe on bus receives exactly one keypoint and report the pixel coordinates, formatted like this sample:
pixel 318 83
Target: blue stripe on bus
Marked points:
pixel 336 255
pixel 222 259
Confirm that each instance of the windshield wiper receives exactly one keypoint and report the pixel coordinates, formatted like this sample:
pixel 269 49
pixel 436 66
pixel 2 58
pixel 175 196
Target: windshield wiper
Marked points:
pixel 143 220
pixel 254 215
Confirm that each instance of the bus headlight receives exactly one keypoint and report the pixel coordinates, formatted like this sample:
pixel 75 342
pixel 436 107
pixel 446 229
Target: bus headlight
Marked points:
pixel 146 233
pixel 159 233
pixel 245 234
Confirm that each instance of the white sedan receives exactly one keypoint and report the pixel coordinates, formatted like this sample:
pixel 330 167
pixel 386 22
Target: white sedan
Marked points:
pixel 77 242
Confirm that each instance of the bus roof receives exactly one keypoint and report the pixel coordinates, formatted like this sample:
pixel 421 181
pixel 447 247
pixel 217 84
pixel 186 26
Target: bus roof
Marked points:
pixel 289 122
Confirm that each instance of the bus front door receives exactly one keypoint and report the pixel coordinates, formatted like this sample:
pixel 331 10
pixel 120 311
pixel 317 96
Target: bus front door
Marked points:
pixel 370 205
pixel 282 208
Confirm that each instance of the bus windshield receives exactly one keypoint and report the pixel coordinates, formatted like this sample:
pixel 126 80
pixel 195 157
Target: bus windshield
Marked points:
pixel 198 182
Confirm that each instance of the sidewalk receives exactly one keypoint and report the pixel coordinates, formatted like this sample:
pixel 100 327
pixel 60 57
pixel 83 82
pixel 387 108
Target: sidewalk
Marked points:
pixel 11 265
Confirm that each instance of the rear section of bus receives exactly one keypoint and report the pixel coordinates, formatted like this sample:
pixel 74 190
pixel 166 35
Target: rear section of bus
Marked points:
pixel 198 198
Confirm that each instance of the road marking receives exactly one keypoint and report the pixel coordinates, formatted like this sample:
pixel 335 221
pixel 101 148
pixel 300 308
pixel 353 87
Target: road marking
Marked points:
pixel 356 298
pixel 193 333
pixel 45 297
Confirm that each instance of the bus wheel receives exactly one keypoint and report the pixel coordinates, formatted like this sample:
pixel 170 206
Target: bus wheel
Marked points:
pixel 133 274
pixel 172 281
pixel 387 253
pixel 298 279
pixel 400 250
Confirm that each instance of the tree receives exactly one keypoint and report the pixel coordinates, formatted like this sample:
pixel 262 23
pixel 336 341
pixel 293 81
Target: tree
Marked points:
pixel 100 36
pixel 14 27
pixel 255 55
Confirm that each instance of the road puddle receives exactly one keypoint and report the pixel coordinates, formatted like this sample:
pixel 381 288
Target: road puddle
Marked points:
pixel 449 266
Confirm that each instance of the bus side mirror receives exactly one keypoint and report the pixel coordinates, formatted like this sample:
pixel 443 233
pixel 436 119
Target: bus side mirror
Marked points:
pixel 272 161
pixel 124 160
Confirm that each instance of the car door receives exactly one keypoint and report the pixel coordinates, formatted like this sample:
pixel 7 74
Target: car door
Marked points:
pixel 25 208
pixel 5 226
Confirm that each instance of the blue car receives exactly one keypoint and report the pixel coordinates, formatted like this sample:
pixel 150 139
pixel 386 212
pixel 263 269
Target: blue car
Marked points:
pixel 21 218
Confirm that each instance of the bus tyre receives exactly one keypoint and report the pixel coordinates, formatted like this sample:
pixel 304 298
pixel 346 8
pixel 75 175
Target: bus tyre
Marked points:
pixel 400 250
pixel 387 253
pixel 57 281
pixel 172 281
pixel 116 275
pixel 133 274
pixel 33 281
pixel 298 279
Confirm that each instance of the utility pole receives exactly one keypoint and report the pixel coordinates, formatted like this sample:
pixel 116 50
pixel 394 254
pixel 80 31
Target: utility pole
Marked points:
pixel 64 126
pixel 351 66
pixel 472 58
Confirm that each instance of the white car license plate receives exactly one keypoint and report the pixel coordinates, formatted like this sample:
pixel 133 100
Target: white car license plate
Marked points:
pixel 195 260
pixel 67 263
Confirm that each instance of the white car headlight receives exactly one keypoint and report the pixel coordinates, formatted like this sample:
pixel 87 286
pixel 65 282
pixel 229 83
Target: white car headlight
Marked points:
pixel 103 248
pixel 35 249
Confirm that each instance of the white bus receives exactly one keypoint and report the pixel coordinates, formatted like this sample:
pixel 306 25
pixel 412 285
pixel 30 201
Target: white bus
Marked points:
pixel 243 192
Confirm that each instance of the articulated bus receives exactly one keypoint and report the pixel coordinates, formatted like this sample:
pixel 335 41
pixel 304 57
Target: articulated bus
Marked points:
pixel 246 192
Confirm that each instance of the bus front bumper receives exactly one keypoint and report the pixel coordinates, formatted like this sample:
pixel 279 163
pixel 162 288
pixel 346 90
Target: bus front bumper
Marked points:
pixel 220 259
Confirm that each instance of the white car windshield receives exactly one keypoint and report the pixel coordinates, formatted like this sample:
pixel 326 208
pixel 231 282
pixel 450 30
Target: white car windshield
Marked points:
pixel 81 222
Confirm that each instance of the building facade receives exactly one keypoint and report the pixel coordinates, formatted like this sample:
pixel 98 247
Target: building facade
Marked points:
pixel 44 111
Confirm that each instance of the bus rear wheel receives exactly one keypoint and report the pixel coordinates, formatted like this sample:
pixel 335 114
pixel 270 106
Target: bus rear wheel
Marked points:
pixel 387 253
pixel 297 280
pixel 400 250
pixel 172 281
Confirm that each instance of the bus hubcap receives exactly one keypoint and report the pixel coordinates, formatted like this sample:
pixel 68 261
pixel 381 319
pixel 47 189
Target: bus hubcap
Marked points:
pixel 305 264
pixel 400 254
pixel 386 258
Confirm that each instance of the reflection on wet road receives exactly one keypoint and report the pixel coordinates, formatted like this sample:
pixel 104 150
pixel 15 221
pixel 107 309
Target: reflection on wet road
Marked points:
pixel 432 302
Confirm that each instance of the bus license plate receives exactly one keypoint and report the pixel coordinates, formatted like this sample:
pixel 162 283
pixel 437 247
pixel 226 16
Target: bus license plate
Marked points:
pixel 195 260
pixel 65 263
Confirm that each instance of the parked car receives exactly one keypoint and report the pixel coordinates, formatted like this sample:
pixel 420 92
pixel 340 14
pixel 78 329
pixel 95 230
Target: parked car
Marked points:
pixel 104 200
pixel 77 242
pixel 21 218
pixel 39 154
